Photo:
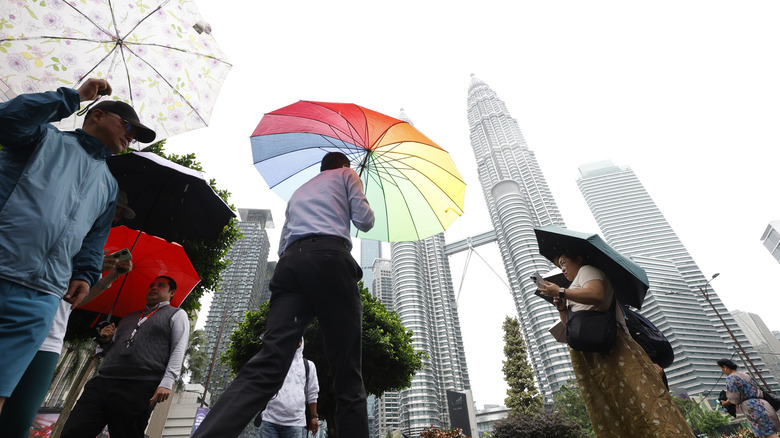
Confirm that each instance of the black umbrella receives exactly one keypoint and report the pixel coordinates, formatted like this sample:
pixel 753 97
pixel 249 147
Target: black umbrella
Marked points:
pixel 628 279
pixel 170 201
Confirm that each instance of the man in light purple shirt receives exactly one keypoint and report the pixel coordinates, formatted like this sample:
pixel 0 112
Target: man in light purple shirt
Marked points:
pixel 316 276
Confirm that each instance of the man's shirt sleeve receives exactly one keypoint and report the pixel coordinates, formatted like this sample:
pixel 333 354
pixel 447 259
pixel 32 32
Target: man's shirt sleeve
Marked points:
pixel 360 212
pixel 180 336
pixel 313 389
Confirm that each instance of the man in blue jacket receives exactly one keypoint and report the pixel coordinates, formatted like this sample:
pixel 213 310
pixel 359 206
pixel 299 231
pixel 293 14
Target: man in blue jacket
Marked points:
pixel 57 199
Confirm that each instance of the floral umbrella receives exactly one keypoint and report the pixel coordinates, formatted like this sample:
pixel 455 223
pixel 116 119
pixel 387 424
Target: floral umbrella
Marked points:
pixel 158 55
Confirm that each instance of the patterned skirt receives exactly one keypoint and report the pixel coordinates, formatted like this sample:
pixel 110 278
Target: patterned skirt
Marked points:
pixel 625 395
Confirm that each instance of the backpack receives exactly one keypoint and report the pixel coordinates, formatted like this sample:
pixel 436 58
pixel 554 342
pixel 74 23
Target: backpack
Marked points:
pixel 649 337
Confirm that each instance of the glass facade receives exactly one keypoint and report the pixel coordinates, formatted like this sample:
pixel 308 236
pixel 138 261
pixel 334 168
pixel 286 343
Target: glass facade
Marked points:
pixel 631 223
pixel 518 199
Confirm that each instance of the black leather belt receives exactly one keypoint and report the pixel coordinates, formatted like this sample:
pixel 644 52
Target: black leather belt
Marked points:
pixel 316 237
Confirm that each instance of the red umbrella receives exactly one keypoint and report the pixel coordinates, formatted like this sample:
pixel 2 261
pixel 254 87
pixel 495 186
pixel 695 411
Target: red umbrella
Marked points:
pixel 152 257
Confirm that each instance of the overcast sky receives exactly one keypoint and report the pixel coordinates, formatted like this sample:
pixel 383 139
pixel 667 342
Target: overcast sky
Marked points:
pixel 684 93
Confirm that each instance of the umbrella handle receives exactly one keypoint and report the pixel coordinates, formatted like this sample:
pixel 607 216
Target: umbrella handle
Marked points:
pixel 363 164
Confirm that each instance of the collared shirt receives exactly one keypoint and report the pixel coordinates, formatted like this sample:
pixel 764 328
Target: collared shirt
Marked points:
pixel 180 335
pixel 325 205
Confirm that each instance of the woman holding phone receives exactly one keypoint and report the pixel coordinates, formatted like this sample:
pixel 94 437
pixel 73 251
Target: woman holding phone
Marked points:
pixel 622 390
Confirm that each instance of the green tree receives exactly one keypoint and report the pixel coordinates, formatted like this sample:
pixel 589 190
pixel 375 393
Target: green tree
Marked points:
pixel 700 419
pixel 542 424
pixel 389 359
pixel 522 396
pixel 208 256
pixel 195 357
pixel 569 402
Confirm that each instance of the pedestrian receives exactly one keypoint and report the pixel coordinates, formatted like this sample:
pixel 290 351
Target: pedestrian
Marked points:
pixel 143 360
pixel 57 199
pixel 293 409
pixel 316 276
pixel 622 390
pixel 20 408
pixel 743 392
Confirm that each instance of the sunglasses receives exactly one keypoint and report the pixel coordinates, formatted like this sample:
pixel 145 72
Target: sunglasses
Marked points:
pixel 128 126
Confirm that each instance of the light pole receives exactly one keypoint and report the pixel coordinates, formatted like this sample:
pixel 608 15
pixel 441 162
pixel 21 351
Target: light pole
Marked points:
pixel 214 355
pixel 706 296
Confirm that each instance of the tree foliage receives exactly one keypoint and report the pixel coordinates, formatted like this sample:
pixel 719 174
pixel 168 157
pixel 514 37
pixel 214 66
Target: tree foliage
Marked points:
pixel 434 432
pixel 542 424
pixel 568 402
pixel 700 419
pixel 522 396
pixel 389 359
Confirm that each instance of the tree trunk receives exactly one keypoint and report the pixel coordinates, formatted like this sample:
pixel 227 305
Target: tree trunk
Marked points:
pixel 73 395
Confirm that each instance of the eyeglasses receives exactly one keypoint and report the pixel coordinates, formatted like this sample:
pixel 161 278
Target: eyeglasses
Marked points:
pixel 128 126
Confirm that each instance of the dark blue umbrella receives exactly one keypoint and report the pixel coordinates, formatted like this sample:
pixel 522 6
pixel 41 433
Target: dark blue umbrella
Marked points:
pixel 628 279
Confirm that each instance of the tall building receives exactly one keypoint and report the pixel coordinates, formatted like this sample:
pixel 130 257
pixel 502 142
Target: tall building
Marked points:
pixel 631 223
pixel 771 239
pixel 766 344
pixel 424 298
pixel 518 199
pixel 243 284
pixel 370 250
pixel 386 414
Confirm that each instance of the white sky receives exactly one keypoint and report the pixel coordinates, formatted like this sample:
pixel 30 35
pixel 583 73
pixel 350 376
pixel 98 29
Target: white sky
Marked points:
pixel 685 93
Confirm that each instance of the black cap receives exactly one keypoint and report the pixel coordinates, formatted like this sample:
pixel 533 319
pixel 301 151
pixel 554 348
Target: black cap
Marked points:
pixel 142 133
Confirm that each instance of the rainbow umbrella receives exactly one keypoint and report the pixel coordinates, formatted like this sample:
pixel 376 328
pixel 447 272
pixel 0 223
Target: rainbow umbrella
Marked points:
pixel 410 181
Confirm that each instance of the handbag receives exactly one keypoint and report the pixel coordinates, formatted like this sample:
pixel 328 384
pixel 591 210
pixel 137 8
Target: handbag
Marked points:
pixel 772 398
pixel 591 331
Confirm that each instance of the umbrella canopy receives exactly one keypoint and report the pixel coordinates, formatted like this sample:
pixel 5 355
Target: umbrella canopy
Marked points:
pixel 628 279
pixel 158 55
pixel 152 257
pixel 170 201
pixel 410 181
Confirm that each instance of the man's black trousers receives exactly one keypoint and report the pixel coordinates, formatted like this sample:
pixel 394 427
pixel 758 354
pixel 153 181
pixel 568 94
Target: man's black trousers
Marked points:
pixel 315 276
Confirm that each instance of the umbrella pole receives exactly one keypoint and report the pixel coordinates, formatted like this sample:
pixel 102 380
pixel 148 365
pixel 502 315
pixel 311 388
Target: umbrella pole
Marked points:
pixel 363 164
pixel 124 278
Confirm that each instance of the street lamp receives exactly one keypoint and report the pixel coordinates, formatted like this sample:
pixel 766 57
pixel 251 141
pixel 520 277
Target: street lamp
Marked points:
pixel 214 353
pixel 706 296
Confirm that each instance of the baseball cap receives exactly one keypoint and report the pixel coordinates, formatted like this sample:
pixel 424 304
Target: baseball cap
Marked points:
pixel 142 133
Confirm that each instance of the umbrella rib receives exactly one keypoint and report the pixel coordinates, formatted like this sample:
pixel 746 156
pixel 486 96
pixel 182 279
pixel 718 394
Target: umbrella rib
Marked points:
pixel 189 52
pixel 292 174
pixel 72 6
pixel 169 85
pixel 392 179
pixel 333 128
pixel 160 6
pixel 397 160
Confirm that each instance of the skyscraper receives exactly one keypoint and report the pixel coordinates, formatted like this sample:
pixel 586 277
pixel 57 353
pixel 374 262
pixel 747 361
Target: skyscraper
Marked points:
pixel 370 250
pixel 766 344
pixel 518 199
pixel 632 224
pixel 424 298
pixel 386 408
pixel 243 283
pixel 771 239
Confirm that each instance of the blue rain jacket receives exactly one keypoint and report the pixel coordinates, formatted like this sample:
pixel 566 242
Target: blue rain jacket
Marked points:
pixel 57 196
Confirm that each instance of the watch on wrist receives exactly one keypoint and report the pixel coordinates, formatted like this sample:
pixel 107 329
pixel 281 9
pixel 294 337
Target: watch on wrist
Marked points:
pixel 562 293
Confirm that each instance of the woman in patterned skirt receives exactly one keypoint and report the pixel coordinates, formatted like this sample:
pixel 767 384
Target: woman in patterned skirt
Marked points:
pixel 744 392
pixel 622 389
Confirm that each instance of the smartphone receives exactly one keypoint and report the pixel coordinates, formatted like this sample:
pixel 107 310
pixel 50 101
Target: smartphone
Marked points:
pixel 537 277
pixel 121 255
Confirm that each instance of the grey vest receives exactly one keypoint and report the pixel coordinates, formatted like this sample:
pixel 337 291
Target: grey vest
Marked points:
pixel 148 357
